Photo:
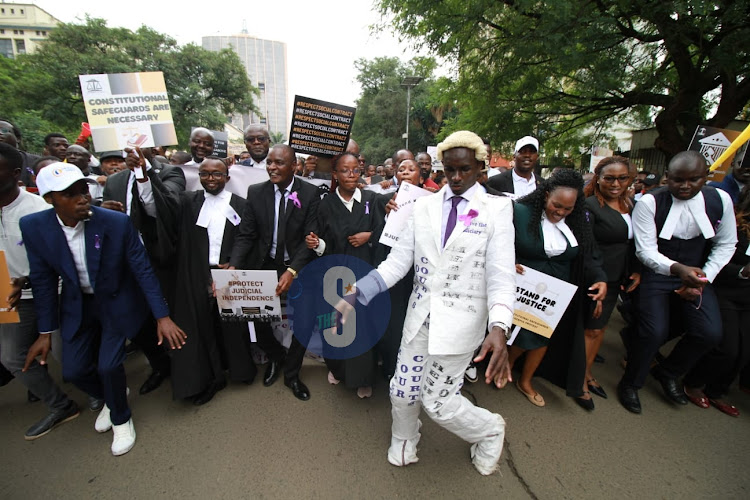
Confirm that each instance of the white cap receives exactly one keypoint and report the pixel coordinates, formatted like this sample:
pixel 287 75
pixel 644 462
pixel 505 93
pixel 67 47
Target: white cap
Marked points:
pixel 526 141
pixel 59 176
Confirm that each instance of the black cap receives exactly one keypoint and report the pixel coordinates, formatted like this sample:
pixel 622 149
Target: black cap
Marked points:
pixel 112 154
pixel 651 180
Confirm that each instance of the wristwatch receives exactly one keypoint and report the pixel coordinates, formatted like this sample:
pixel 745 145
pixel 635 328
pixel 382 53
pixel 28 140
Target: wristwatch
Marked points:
pixel 292 272
pixel 26 283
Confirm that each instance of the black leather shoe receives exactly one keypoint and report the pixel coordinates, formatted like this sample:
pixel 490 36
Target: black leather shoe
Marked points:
pixel 586 404
pixel 299 389
pixel 31 397
pixel 95 404
pixel 672 390
pixel 153 381
pixel 209 393
pixel 598 390
pixel 51 421
pixel 273 370
pixel 628 397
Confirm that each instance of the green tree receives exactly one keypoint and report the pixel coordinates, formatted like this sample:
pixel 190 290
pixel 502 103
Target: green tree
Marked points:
pixel 380 120
pixel 559 67
pixel 204 87
pixel 277 137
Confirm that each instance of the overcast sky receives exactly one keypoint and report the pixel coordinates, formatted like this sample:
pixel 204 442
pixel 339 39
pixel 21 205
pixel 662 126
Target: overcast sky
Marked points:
pixel 323 37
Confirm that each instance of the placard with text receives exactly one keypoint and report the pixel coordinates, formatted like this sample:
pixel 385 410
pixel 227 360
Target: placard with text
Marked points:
pixel 128 110
pixel 247 294
pixel 320 128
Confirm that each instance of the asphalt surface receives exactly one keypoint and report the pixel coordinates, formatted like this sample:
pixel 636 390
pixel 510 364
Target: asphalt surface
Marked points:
pixel 257 442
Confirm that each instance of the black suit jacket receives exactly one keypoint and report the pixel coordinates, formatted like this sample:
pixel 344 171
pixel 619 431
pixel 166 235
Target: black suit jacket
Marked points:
pixel 255 236
pixel 611 235
pixel 166 180
pixel 503 182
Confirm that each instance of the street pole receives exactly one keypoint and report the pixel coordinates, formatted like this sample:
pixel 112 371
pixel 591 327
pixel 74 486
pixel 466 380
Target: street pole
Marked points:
pixel 409 82
pixel 408 108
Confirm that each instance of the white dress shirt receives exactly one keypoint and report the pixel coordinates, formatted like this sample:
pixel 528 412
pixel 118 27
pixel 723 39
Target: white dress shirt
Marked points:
pixel 687 219
pixel 357 196
pixel 460 208
pixel 253 163
pixel 277 194
pixel 215 207
pixel 77 244
pixel 521 186
pixel 145 193
pixel 556 236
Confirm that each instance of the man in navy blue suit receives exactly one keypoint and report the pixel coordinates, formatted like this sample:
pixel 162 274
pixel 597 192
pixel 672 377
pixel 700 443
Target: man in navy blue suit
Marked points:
pixel 107 285
pixel 734 182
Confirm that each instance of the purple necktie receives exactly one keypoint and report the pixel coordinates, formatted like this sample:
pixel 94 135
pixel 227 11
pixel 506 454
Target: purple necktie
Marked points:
pixel 452 218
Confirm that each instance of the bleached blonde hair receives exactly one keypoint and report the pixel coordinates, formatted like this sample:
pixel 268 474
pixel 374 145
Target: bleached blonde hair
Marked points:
pixel 463 139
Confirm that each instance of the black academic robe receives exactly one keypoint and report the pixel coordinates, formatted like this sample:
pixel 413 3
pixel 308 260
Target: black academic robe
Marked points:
pixel 564 364
pixel 336 224
pixel 194 309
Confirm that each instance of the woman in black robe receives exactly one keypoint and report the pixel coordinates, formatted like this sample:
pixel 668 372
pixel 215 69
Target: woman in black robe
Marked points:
pixel 558 204
pixel 347 220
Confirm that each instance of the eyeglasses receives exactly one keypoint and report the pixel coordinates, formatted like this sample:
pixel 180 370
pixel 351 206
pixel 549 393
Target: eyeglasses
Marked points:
pixel 214 175
pixel 354 171
pixel 256 138
pixel 610 179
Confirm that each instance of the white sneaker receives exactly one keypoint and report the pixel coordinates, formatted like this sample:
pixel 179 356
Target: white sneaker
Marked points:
pixel 404 452
pixel 124 438
pixel 485 454
pixel 470 374
pixel 103 422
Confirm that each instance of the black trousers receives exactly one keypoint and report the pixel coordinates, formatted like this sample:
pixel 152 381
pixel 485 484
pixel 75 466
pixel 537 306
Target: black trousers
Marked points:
pixel 702 322
pixel 146 340
pixel 292 358
pixel 717 370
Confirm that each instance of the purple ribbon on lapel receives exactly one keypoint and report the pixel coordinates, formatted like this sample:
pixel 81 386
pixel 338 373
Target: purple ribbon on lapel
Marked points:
pixel 97 243
pixel 466 219
pixel 20 243
pixel 294 199
pixel 367 208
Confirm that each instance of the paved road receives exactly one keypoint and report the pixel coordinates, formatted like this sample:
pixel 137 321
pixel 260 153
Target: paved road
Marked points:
pixel 256 442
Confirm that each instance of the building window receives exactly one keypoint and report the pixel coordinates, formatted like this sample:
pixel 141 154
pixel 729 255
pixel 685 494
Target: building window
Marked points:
pixel 44 33
pixel 21 11
pixel 6 47
pixel 20 47
pixel 263 121
pixel 261 86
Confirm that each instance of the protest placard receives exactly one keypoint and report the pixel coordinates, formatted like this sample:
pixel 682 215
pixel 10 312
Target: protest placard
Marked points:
pixel 320 128
pixel 711 142
pixel 397 219
pixel 128 110
pixel 7 315
pixel 247 294
pixel 221 142
pixel 541 301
